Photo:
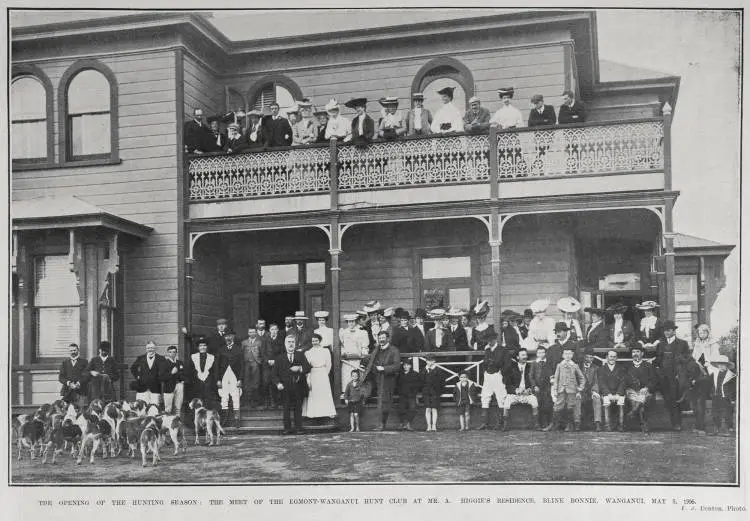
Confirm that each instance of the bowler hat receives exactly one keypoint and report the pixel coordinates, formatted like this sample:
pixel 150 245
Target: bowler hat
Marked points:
pixel 588 351
pixel 669 324
pixel 527 313
pixel 561 326
pixel 105 346
pixel 420 313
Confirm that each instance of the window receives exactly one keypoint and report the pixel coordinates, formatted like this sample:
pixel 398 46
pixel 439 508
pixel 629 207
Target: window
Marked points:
pixel 279 274
pixel 56 306
pixel 446 267
pixel 446 282
pixel 275 88
pixel 88 113
pixel 315 273
pixel 433 100
pixel 28 118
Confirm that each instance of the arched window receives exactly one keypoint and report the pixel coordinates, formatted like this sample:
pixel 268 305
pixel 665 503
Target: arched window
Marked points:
pixel 31 116
pixel 273 89
pixel 89 112
pixel 28 119
pixel 444 72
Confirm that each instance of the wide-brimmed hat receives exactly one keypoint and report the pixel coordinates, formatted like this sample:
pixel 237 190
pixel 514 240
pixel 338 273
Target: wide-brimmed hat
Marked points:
pixel 436 313
pixel 321 314
pixel 722 359
pixel 388 312
pixel 299 315
pixel 561 326
pixel 361 313
pixel 305 104
pixel 509 314
pixel 568 305
pixel 417 95
pixel 332 105
pixel 481 308
pixel 647 304
pixel 373 306
pixel 356 102
pixel 388 101
pixel 454 312
pixel 668 324
pixel 294 109
pixel 350 317
pixel 401 313
pixel 596 311
pixel 255 112
pixel 619 308
pixel 508 91
pixel 637 346
pixel 420 313
pixel 447 91
pixel 318 113
pixel 539 306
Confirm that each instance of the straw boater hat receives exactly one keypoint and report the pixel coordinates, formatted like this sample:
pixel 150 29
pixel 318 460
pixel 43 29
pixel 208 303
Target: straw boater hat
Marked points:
pixel 454 312
pixel 417 96
pixel 722 359
pixel 356 102
pixel 373 306
pixel 568 305
pixel 481 308
pixel 508 91
pixel 332 106
pixel 361 313
pixel 474 99
pixel 305 104
pixel 321 314
pixel 539 306
pixel 648 304
pixel 388 101
pixel 299 315
pixel 437 313
pixel 350 317
pixel 388 312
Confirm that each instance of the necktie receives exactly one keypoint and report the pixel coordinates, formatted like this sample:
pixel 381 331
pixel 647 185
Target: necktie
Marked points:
pixel 291 358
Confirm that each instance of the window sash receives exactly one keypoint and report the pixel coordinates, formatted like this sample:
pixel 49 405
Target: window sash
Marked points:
pixel 89 134
pixel 29 139
pixel 55 328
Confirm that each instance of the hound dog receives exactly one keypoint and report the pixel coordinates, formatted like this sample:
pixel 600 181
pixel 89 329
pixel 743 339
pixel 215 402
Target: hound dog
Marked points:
pixel 130 432
pixel 114 415
pixel 139 407
pixel 172 425
pixel 206 419
pixel 57 440
pixel 32 435
pixel 150 439
pixel 97 432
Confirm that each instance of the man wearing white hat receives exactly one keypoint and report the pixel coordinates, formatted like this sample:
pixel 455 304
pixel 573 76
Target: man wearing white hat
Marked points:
pixel 305 131
pixel 392 124
pixel 418 119
pixel 355 346
pixel 477 118
pixel 302 333
pixel 541 327
pixel 338 126
pixel 235 140
pixel 448 117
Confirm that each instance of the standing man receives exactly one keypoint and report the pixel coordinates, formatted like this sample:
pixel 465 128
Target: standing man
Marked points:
pixel 590 395
pixel 563 340
pixel 274 347
pixel 148 372
pixel 494 358
pixel 174 386
pixel 542 373
pixel 402 336
pixel 385 364
pixel 668 354
pixel 510 333
pixel 457 332
pixel 203 369
pixel 73 376
pixel 217 139
pixel 418 119
pixel 252 351
pixel 277 130
pixel 448 117
pixel 289 370
pixel 541 115
pixel 102 371
pixel 520 387
pixel 418 332
pixel 409 383
pixel 195 135
pixel 303 334
pixel 288 325
pixel 477 118
pixel 597 334
pixel 571 111
pixel 229 380
pixel 215 340
pixel 612 390
pixel 640 381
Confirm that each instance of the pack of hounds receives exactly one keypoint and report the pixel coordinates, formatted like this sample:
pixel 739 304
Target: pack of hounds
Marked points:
pixel 110 428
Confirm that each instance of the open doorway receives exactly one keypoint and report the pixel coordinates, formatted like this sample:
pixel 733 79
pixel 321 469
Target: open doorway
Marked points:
pixel 275 305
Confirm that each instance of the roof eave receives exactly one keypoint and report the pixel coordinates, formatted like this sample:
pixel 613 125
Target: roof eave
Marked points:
pixel 94 220
pixel 705 251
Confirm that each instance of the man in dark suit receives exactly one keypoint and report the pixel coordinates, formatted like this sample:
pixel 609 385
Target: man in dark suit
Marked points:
pixel 202 370
pixel 216 139
pixel 564 340
pixel 668 354
pixel 520 386
pixel 195 135
pixel 571 111
pixel 477 118
pixel 402 335
pixel 596 337
pixel 302 333
pixel 102 371
pixel 277 130
pixel 148 372
pixel 272 348
pixel 235 142
pixel 419 331
pixel 456 330
pixel 541 115
pixel 384 364
pixel 288 376
pixel 174 386
pixel 215 340
pixel 510 335
pixel 73 376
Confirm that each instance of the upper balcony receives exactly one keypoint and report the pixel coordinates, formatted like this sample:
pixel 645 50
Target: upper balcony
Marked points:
pixel 605 157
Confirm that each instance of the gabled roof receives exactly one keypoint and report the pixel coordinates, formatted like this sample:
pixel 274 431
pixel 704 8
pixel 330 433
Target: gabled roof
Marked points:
pixel 689 245
pixel 69 212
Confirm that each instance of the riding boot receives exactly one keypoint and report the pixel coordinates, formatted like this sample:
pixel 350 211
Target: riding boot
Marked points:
pixel 607 424
pixel 505 420
pixel 485 420
pixel 621 426
pixel 553 423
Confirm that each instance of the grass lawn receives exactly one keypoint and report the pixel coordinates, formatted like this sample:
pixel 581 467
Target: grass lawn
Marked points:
pixel 419 456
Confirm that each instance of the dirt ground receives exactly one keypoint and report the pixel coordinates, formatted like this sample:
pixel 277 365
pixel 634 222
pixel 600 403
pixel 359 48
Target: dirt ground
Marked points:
pixel 445 456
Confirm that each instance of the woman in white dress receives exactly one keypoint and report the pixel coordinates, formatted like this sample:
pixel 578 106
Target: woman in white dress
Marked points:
pixel 705 348
pixel 355 345
pixel 447 118
pixel 319 402
pixel 325 332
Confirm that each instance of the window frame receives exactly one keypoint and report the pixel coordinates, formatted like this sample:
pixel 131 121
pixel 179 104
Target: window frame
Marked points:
pixel 65 131
pixel 473 281
pixel 464 77
pixel 277 80
pixel 20 70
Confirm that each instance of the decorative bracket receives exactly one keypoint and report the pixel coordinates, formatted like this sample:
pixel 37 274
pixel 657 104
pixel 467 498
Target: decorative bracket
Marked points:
pixel 484 219
pixel 194 236
pixel 113 266
pixel 76 263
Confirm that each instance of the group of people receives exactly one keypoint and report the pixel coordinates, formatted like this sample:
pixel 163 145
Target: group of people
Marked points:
pixel 302 125
pixel 573 371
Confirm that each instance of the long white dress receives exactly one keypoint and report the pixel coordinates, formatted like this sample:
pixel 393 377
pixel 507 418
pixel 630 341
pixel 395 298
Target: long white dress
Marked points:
pixel 355 345
pixel 448 113
pixel 319 402
pixel 327 334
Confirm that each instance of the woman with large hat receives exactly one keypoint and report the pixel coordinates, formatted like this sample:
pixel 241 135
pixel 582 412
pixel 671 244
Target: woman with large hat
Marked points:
pixel 541 327
pixel 569 307
pixel 418 119
pixel 651 326
pixel 319 401
pixel 305 131
pixel 482 332
pixel 392 124
pixel 621 331
pixel 363 127
pixel 447 118
pixel 338 126
pixel 355 345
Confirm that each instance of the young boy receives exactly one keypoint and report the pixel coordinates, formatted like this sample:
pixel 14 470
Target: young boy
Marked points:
pixel 431 389
pixel 723 394
pixel 566 391
pixel 353 397
pixel 408 384
pixel 465 396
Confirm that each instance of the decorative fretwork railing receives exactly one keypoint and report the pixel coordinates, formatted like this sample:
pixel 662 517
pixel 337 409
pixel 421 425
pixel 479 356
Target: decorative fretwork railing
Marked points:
pixel 243 176
pixel 570 150
pixel 598 149
pixel 439 160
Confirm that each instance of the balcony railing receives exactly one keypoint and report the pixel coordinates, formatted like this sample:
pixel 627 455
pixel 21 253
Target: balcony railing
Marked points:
pixel 540 152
